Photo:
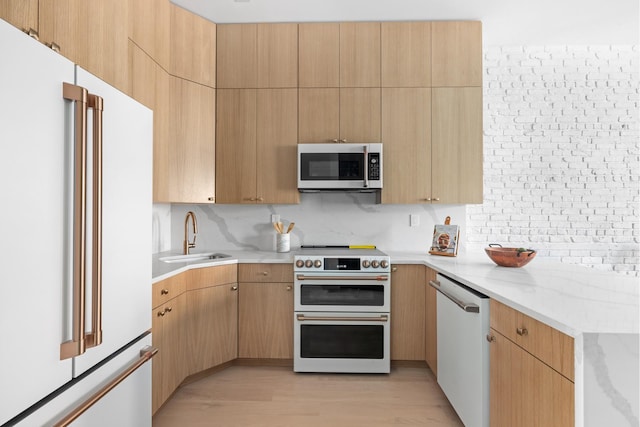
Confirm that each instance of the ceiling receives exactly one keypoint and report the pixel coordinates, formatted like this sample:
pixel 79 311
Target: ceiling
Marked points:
pixel 505 22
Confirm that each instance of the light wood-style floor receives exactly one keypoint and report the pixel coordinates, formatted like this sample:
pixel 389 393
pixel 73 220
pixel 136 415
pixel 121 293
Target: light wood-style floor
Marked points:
pixel 246 396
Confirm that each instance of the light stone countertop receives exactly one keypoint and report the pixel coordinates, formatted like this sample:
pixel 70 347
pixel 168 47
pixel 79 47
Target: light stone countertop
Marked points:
pixel 570 298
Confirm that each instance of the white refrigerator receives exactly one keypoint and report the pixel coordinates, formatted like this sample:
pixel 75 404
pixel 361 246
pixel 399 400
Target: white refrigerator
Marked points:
pixel 75 240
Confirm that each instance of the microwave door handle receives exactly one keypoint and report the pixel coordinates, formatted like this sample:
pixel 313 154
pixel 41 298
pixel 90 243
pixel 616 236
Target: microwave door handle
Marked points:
pixel 366 167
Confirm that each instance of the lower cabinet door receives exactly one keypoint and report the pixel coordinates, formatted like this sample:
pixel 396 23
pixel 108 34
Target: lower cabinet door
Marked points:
pixel 525 391
pixel 212 323
pixel 266 321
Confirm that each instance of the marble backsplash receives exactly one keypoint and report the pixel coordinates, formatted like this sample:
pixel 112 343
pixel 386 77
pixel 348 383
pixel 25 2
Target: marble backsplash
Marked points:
pixel 325 218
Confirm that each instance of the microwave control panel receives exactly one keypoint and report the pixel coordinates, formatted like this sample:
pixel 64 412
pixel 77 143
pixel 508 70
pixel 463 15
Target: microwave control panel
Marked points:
pixel 374 166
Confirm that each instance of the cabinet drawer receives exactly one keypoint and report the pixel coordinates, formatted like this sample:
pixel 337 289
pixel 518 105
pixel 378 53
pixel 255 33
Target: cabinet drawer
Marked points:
pixel 544 342
pixel 212 276
pixel 169 288
pixel 265 272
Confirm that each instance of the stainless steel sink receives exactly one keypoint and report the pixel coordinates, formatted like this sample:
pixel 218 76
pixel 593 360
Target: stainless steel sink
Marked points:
pixel 194 257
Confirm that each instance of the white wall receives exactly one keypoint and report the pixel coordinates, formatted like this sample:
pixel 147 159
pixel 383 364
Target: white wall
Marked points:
pixel 561 154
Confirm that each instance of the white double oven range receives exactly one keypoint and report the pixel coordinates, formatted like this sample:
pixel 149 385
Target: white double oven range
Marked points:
pixel 342 310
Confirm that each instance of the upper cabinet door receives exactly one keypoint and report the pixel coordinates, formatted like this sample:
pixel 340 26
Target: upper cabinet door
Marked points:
pixel 20 13
pixel 257 56
pixel 237 59
pixel 457 145
pixel 319 55
pixel 277 146
pixel 318 115
pixel 360 115
pixel 406 54
pixel 277 55
pixel 456 53
pixel 193 47
pixel 360 54
pixel 236 146
pixel 406 135
pixel 192 141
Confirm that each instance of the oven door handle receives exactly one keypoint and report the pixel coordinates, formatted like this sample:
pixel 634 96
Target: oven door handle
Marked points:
pixel 468 307
pixel 381 318
pixel 379 278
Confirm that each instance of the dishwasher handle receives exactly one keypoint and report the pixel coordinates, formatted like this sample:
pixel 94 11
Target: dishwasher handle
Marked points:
pixel 468 307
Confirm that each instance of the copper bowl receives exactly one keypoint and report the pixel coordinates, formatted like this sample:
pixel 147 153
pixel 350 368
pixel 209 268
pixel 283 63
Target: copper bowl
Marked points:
pixel 509 257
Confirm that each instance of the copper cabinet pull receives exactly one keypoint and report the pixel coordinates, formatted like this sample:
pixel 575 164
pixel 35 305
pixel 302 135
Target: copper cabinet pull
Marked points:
pixel 234 288
pixel 265 273
pixel 164 292
pixel 394 269
pixel 168 309
pixel 289 287
pixel 162 313
pixel 54 47
pixel 260 199
pixel 522 331
pixel 145 355
pixel 33 34
pixel 491 338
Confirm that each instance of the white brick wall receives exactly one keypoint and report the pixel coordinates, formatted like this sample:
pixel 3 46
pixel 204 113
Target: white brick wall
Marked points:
pixel 561 154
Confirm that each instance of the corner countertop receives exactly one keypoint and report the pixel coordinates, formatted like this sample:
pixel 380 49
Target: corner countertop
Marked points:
pixel 570 298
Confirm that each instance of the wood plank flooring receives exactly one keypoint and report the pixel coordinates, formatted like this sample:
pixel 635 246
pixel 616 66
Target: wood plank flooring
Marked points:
pixel 246 396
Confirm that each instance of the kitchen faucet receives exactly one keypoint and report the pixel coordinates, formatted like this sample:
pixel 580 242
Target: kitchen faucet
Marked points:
pixel 187 244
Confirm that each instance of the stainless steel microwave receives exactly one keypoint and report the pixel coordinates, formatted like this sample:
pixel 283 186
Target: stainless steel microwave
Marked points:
pixel 340 167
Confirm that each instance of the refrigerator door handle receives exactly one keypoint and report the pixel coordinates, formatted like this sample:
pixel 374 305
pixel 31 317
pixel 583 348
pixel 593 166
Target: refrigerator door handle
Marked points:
pixel 145 355
pixel 95 337
pixel 77 344
pixel 80 340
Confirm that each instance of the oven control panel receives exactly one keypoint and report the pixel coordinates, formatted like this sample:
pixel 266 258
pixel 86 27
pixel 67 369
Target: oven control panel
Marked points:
pixel 373 263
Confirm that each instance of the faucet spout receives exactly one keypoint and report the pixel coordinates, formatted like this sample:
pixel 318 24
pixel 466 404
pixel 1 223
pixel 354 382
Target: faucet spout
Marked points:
pixel 187 244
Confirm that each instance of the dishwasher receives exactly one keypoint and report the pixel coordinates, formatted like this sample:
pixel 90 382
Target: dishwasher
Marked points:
pixel 463 351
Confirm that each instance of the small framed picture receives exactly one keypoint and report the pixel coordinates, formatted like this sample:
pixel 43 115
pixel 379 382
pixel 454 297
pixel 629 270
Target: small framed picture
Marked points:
pixel 445 239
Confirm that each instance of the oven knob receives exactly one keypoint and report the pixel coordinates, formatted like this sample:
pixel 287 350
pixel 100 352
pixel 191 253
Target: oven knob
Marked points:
pixel 384 264
pixel 375 263
pixel 317 263
pixel 308 263
pixel 366 263
pixel 299 263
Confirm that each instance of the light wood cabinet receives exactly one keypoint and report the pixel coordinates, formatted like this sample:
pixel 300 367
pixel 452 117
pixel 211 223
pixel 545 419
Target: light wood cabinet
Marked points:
pixel 339 54
pixel 265 320
pixel 346 115
pixel 456 53
pixel 150 28
pixel 319 55
pixel 168 319
pixel 191 142
pixel 212 326
pixel 265 273
pixel 431 322
pixel 257 55
pixel 212 320
pixel 524 390
pixel 531 371
pixel 360 54
pixel 22 14
pixel 406 137
pixel 456 145
pixel 277 56
pixel 406 54
pixel 257 140
pixel 408 312
pixel 193 47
